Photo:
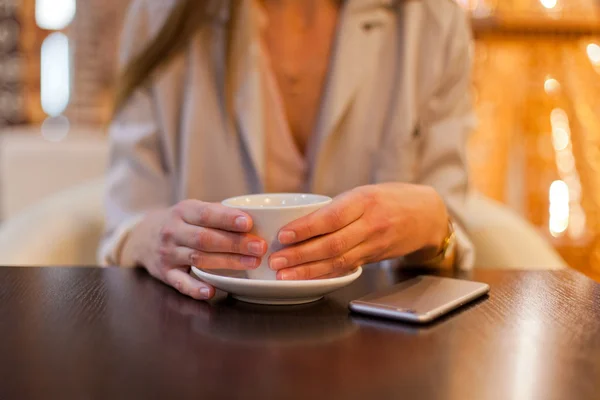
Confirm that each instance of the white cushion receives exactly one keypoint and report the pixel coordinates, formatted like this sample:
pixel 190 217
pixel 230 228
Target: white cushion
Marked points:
pixel 62 230
pixel 32 168
pixel 503 239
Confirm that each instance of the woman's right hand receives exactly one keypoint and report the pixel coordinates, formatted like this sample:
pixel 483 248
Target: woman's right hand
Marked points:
pixel 205 235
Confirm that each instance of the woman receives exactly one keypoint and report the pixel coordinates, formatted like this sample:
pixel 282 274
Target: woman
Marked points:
pixel 366 100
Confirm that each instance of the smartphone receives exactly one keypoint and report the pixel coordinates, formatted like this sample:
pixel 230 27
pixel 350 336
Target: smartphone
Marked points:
pixel 421 299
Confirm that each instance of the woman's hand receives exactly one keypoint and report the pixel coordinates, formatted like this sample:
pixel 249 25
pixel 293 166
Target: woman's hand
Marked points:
pixel 365 225
pixel 205 235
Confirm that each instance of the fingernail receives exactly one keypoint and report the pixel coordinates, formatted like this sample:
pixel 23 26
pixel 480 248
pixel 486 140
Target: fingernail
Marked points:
pixel 241 223
pixel 249 261
pixel 278 263
pixel 286 237
pixel 289 275
pixel 204 292
pixel 256 248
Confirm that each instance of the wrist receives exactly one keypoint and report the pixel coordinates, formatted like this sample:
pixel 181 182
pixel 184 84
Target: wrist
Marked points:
pixel 439 254
pixel 437 236
pixel 137 246
pixel 440 235
pixel 439 227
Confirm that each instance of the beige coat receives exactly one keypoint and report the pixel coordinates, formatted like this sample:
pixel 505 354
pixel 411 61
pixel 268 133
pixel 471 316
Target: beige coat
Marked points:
pixel 396 107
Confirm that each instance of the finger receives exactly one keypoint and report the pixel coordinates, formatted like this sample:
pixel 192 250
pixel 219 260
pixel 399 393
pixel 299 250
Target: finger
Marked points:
pixel 218 241
pixel 185 256
pixel 213 215
pixel 340 213
pixel 181 280
pixel 320 248
pixel 335 266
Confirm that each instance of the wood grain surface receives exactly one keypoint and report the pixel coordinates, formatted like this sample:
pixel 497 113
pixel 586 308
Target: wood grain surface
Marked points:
pixel 85 333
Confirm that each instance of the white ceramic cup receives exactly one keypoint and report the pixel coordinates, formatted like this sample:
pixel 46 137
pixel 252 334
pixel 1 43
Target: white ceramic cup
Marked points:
pixel 270 213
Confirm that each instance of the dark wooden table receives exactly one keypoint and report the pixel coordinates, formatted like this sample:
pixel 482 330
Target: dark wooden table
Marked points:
pixel 118 334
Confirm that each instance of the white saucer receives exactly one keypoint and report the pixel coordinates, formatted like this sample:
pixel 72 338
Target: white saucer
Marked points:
pixel 273 292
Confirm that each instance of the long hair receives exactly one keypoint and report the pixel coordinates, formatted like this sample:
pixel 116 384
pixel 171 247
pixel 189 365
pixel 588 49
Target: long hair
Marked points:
pixel 184 20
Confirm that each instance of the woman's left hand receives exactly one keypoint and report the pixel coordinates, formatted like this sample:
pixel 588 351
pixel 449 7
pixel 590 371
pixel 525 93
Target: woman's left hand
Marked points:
pixel 362 226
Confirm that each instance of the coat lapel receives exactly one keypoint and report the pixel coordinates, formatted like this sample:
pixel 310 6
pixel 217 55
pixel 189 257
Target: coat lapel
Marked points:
pixel 361 33
pixel 359 38
pixel 399 160
pixel 245 84
pixel 411 25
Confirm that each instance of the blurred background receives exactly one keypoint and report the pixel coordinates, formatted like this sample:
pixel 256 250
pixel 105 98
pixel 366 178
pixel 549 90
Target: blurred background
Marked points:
pixel 536 85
